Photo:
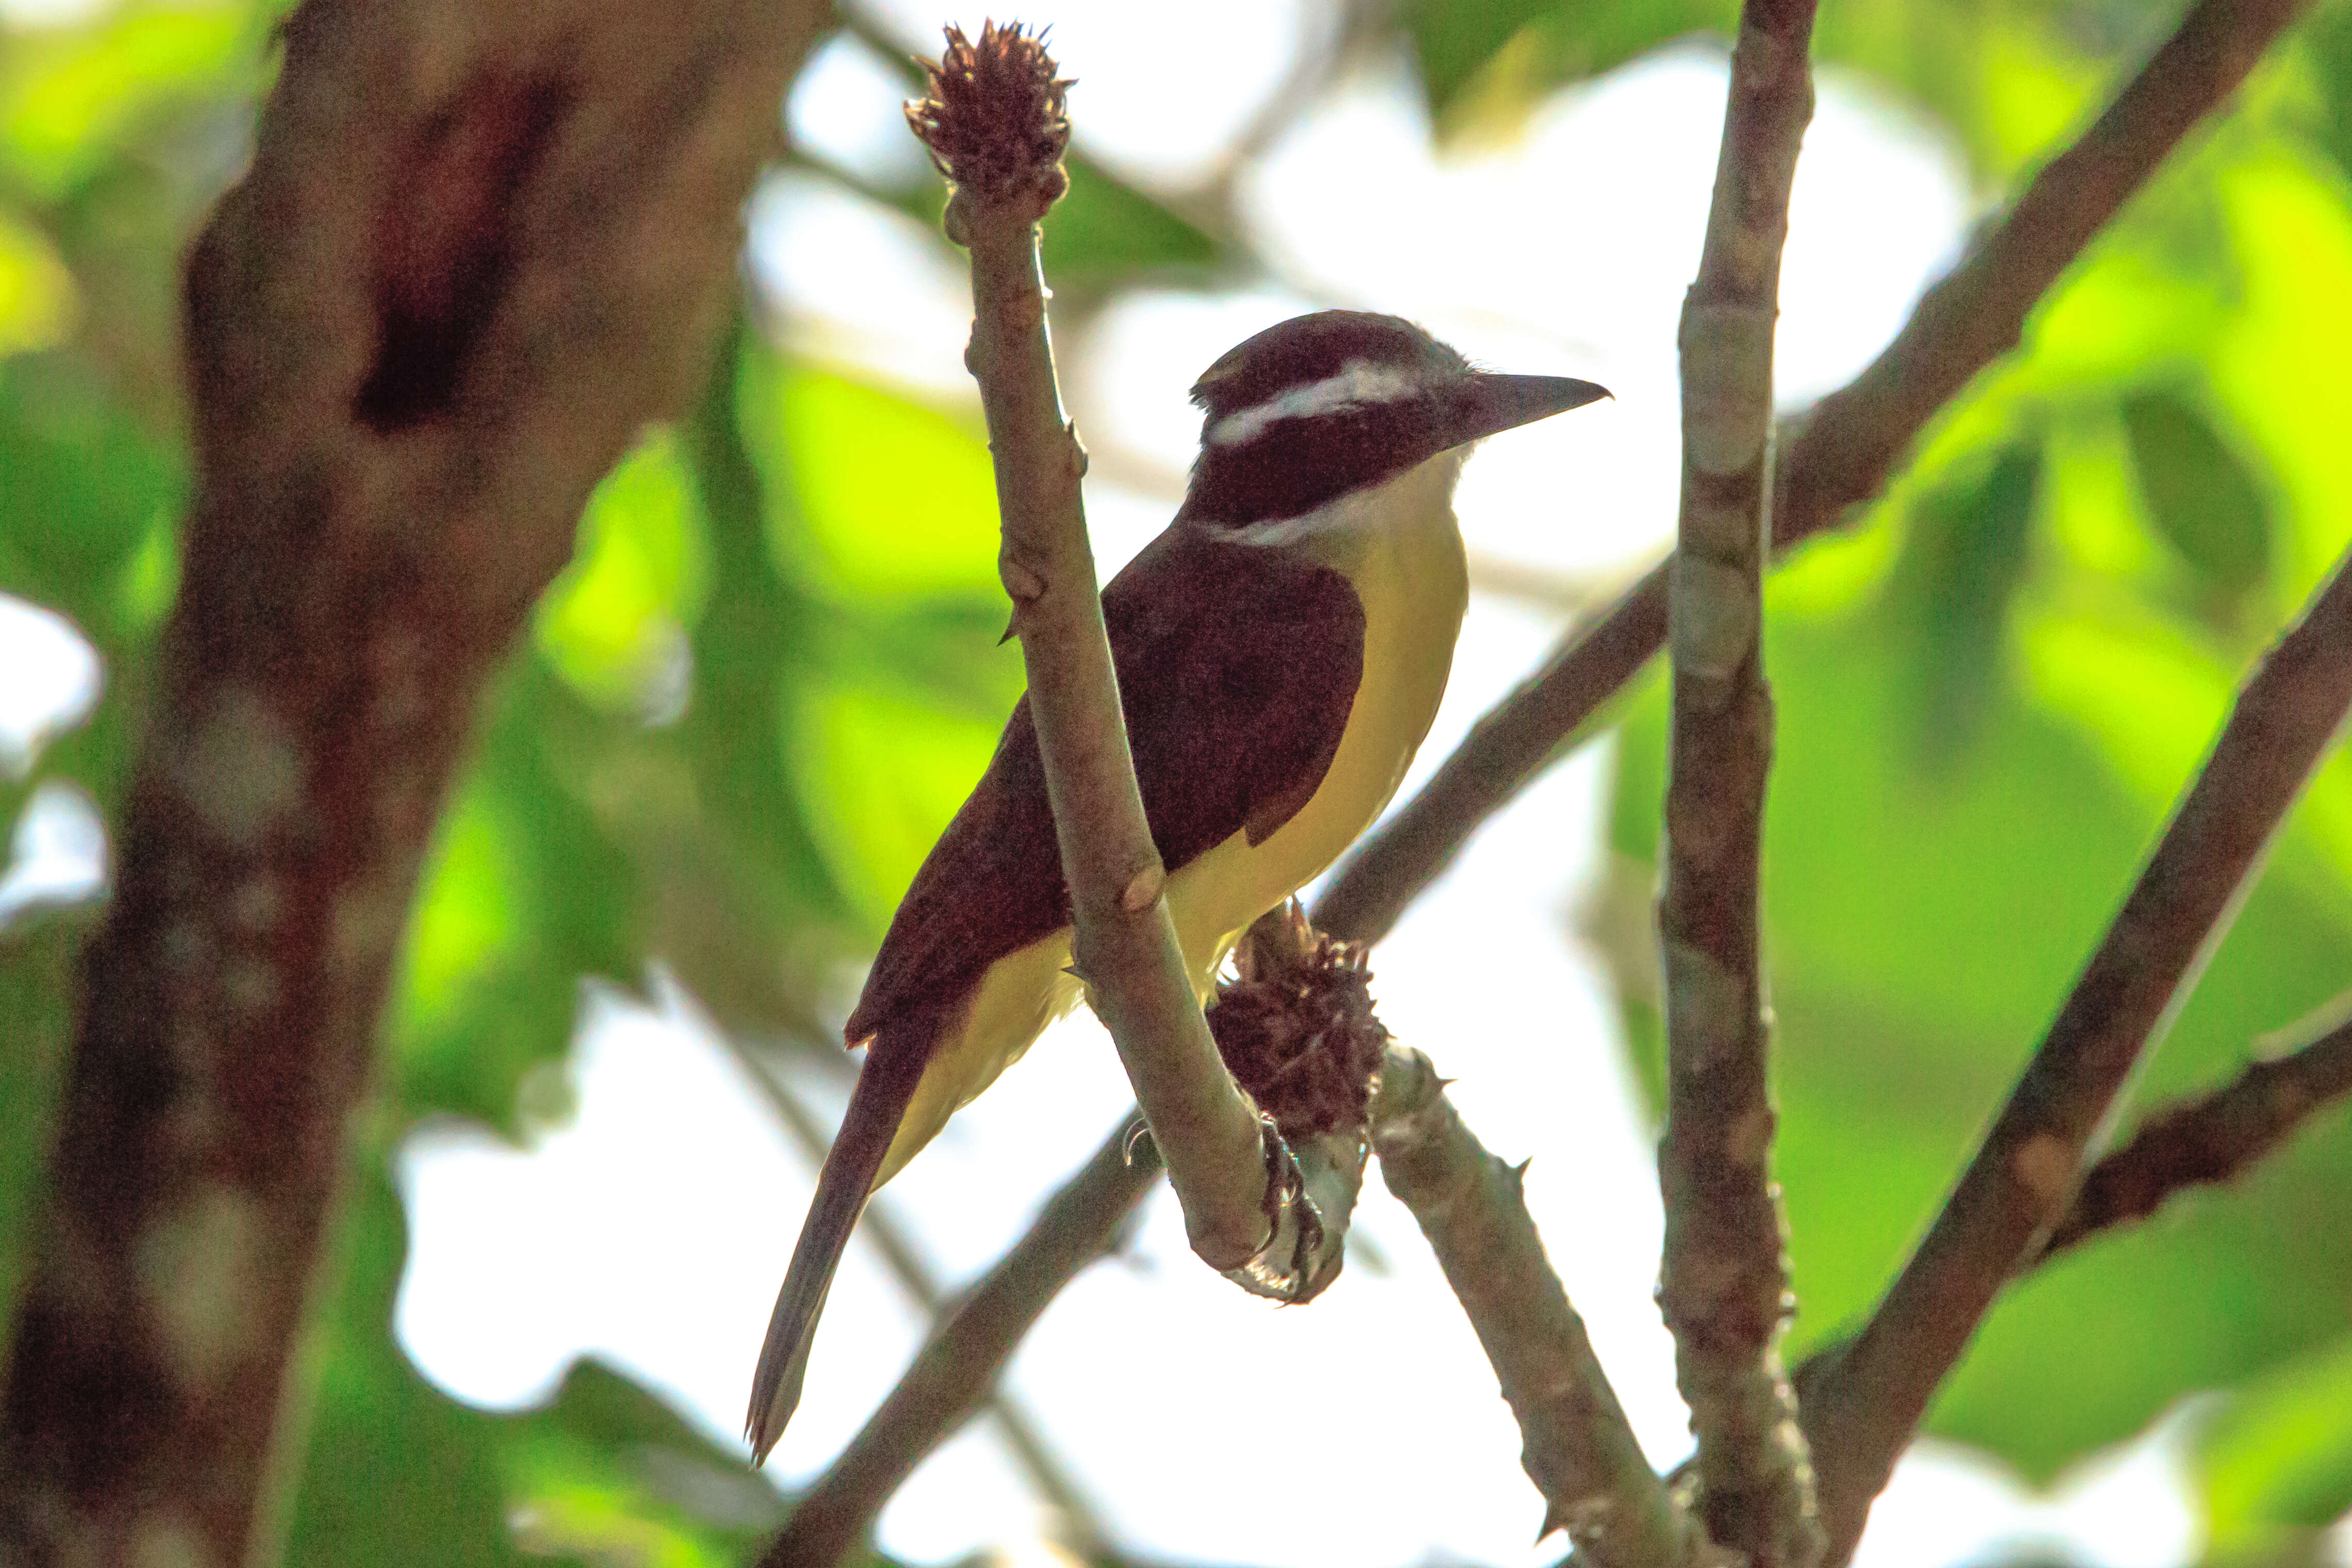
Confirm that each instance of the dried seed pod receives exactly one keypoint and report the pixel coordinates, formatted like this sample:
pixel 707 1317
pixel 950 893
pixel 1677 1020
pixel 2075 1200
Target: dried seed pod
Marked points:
pixel 996 118
pixel 1295 1025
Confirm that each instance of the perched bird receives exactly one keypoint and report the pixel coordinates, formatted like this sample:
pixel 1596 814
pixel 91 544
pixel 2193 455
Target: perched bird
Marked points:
pixel 1281 648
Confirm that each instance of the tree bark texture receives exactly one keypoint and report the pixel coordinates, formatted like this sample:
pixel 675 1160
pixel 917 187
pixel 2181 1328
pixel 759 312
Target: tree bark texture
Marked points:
pixel 477 250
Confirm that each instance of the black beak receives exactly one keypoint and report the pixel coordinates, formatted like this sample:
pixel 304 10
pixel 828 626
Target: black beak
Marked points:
pixel 1488 403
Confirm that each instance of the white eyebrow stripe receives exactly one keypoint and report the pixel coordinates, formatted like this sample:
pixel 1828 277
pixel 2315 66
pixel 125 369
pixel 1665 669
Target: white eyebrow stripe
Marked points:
pixel 1362 381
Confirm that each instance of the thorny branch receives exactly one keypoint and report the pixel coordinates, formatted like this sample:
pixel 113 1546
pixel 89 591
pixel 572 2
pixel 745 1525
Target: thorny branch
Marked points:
pixel 996 124
pixel 1577 1446
pixel 1863 1406
pixel 477 250
pixel 966 1351
pixel 1723 1288
pixel 1842 454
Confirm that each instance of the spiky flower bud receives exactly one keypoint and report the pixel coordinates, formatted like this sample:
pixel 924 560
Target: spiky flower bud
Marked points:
pixel 1295 1025
pixel 996 118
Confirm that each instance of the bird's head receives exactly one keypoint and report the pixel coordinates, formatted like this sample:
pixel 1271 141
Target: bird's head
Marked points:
pixel 1318 406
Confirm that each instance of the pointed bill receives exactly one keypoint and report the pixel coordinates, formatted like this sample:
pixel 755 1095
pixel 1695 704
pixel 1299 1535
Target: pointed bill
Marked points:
pixel 1489 403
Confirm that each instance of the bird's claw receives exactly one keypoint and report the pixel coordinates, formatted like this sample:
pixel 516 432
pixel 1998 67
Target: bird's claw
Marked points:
pixel 1286 1187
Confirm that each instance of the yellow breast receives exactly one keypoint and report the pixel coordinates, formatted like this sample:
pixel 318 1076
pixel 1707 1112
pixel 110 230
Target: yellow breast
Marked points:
pixel 1403 553
pixel 1400 547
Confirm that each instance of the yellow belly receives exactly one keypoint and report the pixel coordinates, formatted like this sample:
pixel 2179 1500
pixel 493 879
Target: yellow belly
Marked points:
pixel 1413 581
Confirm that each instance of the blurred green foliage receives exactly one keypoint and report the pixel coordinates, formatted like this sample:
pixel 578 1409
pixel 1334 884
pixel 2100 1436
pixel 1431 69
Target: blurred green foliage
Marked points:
pixel 774 667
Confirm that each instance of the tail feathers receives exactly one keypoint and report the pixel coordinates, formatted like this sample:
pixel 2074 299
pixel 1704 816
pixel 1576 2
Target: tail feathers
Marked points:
pixel 879 1102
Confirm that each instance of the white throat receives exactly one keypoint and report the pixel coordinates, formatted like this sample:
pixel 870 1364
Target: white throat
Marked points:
pixel 1397 504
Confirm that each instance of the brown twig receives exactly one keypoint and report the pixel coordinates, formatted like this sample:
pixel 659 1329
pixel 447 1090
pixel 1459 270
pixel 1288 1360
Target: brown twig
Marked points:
pixel 1723 1288
pixel 879 1225
pixel 996 124
pixel 1862 1408
pixel 2206 1142
pixel 1842 455
pixel 966 1354
pixel 1577 1445
pixel 477 251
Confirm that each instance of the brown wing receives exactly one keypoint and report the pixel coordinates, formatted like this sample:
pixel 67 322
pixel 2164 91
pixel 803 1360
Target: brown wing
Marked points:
pixel 1237 665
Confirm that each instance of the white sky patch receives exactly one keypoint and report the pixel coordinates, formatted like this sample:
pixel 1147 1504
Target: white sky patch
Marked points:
pixel 1362 382
pixel 1128 378
pixel 862 285
pixel 52 682
pixel 1567 251
pixel 57 853
pixel 31 15
pixel 845 111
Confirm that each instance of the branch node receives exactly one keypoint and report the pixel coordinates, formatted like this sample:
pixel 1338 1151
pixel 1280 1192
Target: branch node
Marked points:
pixel 1022 583
pixel 1143 889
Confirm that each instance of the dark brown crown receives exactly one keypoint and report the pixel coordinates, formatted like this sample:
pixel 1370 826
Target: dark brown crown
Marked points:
pixel 1264 457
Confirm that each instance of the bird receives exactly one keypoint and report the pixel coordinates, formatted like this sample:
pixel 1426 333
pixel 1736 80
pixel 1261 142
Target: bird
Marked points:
pixel 1281 648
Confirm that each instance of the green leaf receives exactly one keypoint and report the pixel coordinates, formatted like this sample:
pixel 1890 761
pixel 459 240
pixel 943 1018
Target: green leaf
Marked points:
pixel 68 98
pixel 2202 497
pixel 522 895
pixel 38 298
pixel 1965 556
pixel 89 501
pixel 36 980
pixel 894 499
pixel 1451 43
pixel 1489 64
pixel 891 510
pixel 611 623
pixel 2276 1465
pixel 884 771
pixel 1106 231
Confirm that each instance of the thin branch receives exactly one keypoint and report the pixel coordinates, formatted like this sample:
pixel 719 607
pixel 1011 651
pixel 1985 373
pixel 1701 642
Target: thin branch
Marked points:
pixel 996 124
pixel 952 1373
pixel 1862 1410
pixel 2207 1142
pixel 1724 1289
pixel 1577 1445
pixel 881 1227
pixel 479 249
pixel 1842 456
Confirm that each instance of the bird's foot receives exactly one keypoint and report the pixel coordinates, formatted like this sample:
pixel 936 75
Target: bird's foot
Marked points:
pixel 1286 1188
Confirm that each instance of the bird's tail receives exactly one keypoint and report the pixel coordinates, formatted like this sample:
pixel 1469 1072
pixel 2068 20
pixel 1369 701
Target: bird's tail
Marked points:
pixel 893 1066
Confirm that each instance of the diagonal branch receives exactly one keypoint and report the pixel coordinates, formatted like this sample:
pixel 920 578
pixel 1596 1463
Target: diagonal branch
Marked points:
pixel 967 1353
pixel 2207 1142
pixel 1577 1448
pixel 996 124
pixel 1864 1405
pixel 1724 1289
pixel 1842 455
pixel 477 250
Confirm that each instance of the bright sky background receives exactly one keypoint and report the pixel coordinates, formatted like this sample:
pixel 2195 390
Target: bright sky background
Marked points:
pixel 653 1228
